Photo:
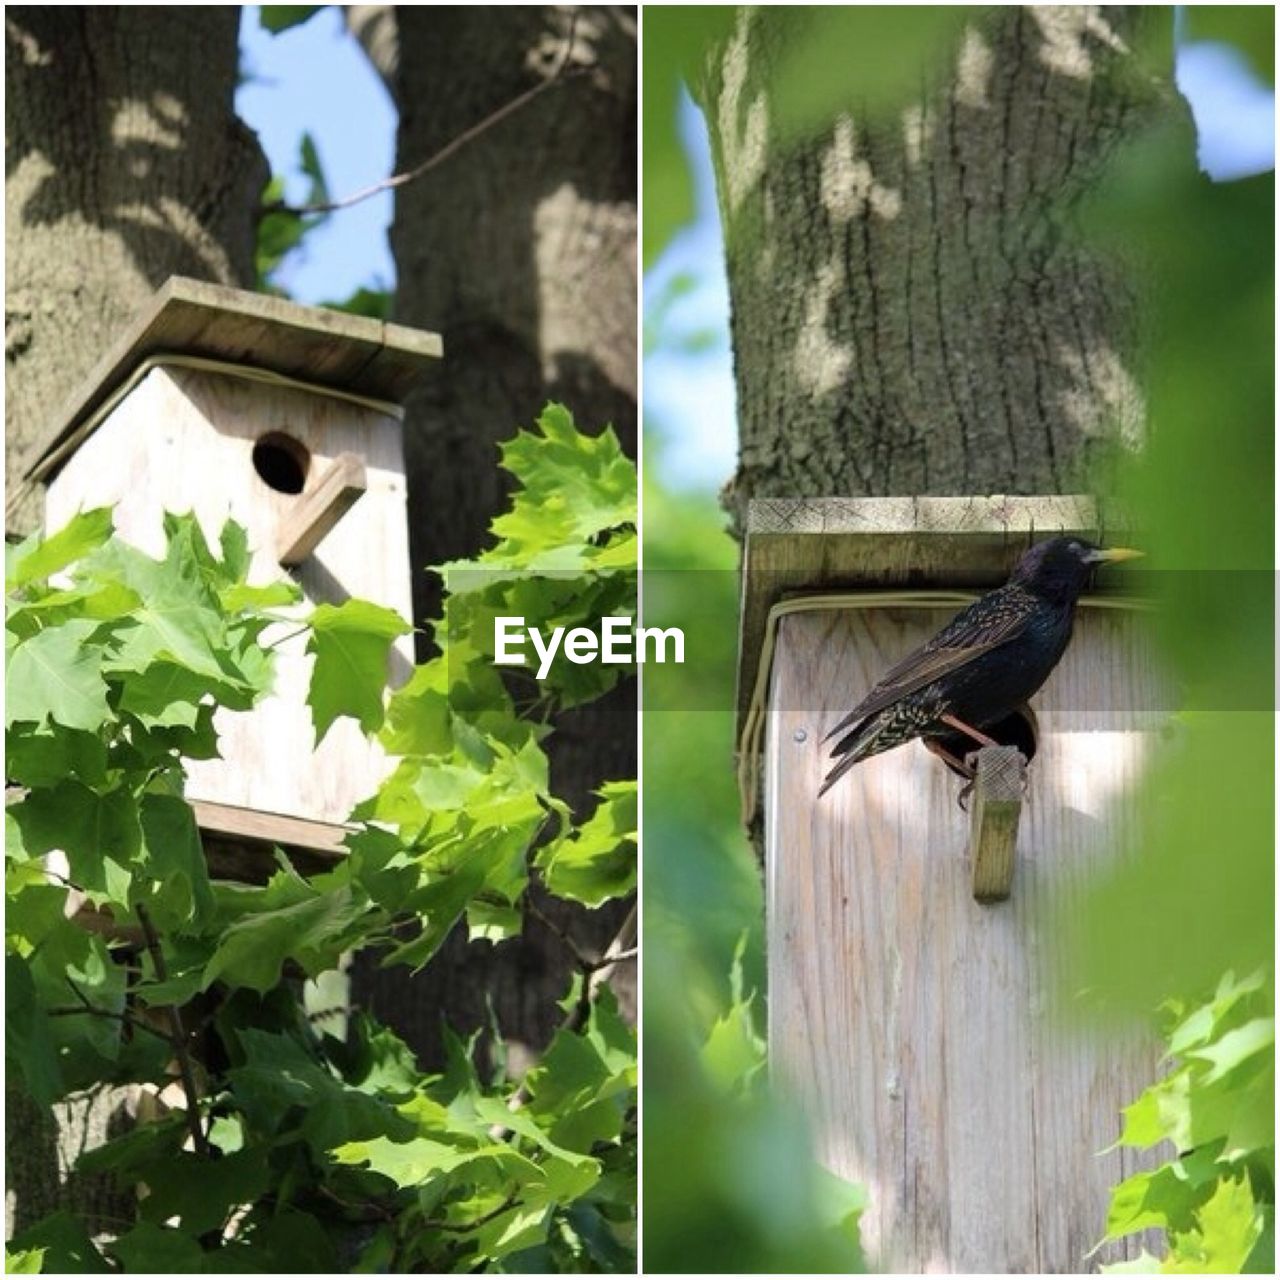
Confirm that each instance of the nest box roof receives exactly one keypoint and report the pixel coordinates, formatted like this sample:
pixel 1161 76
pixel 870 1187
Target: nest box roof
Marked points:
pixel 353 354
pixel 812 545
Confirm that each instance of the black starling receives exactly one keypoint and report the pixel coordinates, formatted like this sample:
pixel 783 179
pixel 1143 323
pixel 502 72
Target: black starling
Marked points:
pixel 984 663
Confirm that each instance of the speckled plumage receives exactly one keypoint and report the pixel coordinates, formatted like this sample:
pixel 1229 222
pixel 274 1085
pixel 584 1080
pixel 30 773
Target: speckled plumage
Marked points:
pixel 984 663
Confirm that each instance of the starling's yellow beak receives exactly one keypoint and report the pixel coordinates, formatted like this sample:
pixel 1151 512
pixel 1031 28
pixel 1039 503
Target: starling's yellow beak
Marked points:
pixel 1113 555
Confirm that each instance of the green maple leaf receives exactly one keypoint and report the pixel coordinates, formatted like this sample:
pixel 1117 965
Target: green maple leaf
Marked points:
pixel 57 676
pixel 598 860
pixel 574 486
pixel 420 1160
pixel 39 557
pixel 313 932
pixel 28 1044
pixel 280 17
pixel 44 757
pixel 65 1243
pixel 200 1192
pixel 164 694
pixel 1253 1040
pixel 351 643
pixel 177 616
pixel 734 1051
pixel 99 832
pixel 176 625
pixel 154 1250
pixel 175 860
pixel 26 1262
pixel 418 714
pixel 1228 1226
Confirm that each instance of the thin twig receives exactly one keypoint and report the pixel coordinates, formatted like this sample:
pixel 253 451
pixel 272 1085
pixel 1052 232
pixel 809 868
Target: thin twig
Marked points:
pixel 450 148
pixel 177 1037
pixel 442 1224
pixel 289 635
pixel 369 1211
pixel 70 1010
pixel 584 962
pixel 622 948
pixel 587 965
pixel 57 875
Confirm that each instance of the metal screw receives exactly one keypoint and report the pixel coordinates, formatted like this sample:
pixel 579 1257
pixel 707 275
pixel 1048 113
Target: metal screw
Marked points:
pixel 800 735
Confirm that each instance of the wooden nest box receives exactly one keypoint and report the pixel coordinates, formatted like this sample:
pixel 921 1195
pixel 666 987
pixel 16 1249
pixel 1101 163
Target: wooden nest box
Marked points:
pixel 911 1018
pixel 285 419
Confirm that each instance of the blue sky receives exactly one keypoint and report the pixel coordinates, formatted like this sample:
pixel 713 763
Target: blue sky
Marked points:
pixel 315 78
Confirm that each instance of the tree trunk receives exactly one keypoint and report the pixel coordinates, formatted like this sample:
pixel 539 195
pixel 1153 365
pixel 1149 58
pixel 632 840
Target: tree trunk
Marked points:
pixel 520 250
pixel 911 311
pixel 126 164
pixel 914 313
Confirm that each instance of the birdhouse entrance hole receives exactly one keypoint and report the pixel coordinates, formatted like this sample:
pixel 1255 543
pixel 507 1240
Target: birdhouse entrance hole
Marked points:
pixel 281 462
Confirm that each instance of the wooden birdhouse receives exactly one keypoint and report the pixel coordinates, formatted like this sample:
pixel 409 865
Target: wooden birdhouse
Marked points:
pixel 286 419
pixel 911 1004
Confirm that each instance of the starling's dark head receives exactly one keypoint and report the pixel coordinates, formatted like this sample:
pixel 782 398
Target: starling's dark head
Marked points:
pixel 1060 569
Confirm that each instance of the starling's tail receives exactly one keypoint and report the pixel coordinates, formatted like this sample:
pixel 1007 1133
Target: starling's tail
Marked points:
pixel 851 749
pixel 836 774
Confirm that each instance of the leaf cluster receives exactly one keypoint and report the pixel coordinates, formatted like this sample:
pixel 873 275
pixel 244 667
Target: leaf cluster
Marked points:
pixel 1215 1200
pixel 286 1148
pixel 280 229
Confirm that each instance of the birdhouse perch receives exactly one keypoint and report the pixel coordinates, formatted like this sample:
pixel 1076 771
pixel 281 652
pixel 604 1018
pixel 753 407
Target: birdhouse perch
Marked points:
pixel 911 997
pixel 999 780
pixel 287 420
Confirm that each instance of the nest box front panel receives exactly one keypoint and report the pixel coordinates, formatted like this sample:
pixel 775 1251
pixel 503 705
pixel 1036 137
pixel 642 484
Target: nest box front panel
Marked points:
pixel 229 447
pixel 913 1024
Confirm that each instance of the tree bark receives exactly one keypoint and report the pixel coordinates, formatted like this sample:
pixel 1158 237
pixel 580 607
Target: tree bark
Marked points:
pixel 125 165
pixel 912 311
pixel 520 250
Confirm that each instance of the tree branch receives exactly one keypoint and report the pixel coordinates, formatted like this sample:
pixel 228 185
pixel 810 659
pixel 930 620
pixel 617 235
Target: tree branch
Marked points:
pixel 621 949
pixel 177 1037
pixel 86 1007
pixel 561 74
pixel 441 1224
pixel 587 965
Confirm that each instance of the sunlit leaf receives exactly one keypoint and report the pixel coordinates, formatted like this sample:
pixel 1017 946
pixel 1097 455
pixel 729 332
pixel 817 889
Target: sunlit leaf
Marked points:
pixel 281 17
pixel 351 643
pixel 40 557
pixel 56 677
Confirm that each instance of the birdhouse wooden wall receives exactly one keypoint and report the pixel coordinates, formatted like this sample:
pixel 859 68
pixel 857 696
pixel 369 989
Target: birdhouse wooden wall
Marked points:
pixel 917 1027
pixel 236 406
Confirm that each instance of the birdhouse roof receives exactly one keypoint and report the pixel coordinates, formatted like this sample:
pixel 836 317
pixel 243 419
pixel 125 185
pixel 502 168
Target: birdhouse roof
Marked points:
pixel 353 354
pixel 817 545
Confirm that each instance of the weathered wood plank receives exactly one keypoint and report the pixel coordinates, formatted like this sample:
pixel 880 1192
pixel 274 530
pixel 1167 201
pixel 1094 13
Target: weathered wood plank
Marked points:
pixel 255 826
pixel 994 811
pixel 335 493
pixel 803 544
pixel 356 354
pixel 919 1031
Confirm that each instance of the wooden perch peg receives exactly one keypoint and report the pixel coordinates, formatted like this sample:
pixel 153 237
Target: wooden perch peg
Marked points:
pixel 315 514
pixel 998 788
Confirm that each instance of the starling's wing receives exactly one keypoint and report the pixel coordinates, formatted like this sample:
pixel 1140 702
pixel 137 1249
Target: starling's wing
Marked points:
pixel 985 625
